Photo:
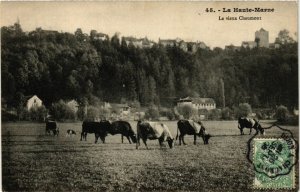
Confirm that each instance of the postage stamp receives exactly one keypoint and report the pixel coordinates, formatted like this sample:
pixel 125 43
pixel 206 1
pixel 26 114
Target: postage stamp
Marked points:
pixel 274 160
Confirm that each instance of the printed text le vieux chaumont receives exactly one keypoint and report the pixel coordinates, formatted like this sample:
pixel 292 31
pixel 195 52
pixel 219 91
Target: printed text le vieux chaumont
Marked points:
pixel 241 10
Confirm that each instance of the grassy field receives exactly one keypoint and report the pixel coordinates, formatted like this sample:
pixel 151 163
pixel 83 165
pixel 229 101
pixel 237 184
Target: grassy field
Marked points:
pixel 32 161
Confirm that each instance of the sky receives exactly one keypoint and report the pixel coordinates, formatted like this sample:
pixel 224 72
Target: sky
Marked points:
pixel 165 20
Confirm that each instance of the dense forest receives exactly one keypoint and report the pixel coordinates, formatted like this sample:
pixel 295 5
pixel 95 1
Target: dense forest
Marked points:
pixel 60 65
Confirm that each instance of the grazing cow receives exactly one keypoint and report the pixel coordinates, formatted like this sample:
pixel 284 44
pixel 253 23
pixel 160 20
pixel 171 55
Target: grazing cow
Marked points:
pixel 153 130
pixel 52 126
pixel 100 129
pixel 123 128
pixel 189 127
pixel 244 122
pixel 70 132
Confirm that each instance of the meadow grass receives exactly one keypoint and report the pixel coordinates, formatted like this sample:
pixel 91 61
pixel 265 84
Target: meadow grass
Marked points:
pixel 33 161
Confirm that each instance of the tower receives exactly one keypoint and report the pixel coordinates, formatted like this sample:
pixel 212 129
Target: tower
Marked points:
pixel 262 38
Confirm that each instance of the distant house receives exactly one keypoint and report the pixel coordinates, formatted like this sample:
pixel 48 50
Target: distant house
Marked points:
pixel 33 101
pixel 73 105
pixel 138 43
pixel 167 42
pixel 100 36
pixel 194 46
pixel 249 44
pixel 122 109
pixel 232 48
pixel 197 103
pixel 274 45
pixel 174 42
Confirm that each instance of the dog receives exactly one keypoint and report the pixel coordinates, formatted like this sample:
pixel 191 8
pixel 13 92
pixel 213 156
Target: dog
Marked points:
pixel 70 133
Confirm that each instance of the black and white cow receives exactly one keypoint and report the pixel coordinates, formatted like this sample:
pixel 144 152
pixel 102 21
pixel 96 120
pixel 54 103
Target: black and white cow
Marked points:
pixel 100 129
pixel 51 126
pixel 152 131
pixel 123 128
pixel 190 127
pixel 244 122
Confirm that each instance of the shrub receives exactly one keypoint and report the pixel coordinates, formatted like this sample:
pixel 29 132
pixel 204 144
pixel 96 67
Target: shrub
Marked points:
pixel 38 113
pixel 243 110
pixel 282 113
pixel 93 113
pixel 214 114
pixel 187 111
pixel 226 114
pixel 104 113
pixel 169 113
pixel 61 111
pixel 152 113
pixel 7 116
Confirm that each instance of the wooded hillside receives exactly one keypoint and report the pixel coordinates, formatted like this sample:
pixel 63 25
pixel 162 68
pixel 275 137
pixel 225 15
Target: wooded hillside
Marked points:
pixel 57 65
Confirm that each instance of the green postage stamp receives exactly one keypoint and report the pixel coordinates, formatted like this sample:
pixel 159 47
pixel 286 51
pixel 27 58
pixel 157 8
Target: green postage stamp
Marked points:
pixel 274 160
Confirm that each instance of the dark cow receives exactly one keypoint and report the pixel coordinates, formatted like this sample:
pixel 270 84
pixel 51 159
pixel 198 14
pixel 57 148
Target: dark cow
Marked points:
pixel 190 127
pixel 52 126
pixel 70 132
pixel 152 131
pixel 100 129
pixel 244 122
pixel 123 128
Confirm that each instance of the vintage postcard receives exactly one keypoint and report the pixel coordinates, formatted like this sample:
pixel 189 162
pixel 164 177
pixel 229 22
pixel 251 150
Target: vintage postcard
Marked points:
pixel 149 96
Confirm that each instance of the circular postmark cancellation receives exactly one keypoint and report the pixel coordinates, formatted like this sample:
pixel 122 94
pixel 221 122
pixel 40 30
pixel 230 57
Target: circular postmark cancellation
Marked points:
pixel 274 160
pixel 273 157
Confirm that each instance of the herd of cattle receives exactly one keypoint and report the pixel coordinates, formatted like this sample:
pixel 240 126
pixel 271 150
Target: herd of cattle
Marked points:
pixel 149 130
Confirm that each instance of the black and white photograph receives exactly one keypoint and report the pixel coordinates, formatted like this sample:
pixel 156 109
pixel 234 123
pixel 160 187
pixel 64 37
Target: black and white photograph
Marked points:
pixel 149 96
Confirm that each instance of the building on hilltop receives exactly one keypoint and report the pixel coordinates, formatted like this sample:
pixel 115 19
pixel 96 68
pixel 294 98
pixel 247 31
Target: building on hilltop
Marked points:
pixel 194 46
pixel 138 43
pixel 274 45
pixel 100 36
pixel 167 42
pixel 232 48
pixel 185 46
pixel 262 38
pixel 248 44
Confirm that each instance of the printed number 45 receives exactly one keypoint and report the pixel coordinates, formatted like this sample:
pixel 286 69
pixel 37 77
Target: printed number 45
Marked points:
pixel 209 10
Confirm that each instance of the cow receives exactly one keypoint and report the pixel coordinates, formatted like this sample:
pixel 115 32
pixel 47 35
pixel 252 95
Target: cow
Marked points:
pixel 244 122
pixel 190 127
pixel 123 128
pixel 100 129
pixel 70 132
pixel 51 126
pixel 152 131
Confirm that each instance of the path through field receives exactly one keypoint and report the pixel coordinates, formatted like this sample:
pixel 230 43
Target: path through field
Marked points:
pixel 32 161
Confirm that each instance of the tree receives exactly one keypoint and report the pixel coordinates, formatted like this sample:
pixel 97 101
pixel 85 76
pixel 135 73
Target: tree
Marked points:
pixel 243 110
pixel 79 35
pixel 152 113
pixel 257 41
pixel 186 111
pixel 284 37
pixel 61 111
pixel 38 113
pixel 115 40
pixel 282 113
pixel 226 113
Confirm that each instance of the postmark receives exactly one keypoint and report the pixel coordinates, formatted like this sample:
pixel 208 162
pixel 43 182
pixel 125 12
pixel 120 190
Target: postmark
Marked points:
pixel 274 160
pixel 274 157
